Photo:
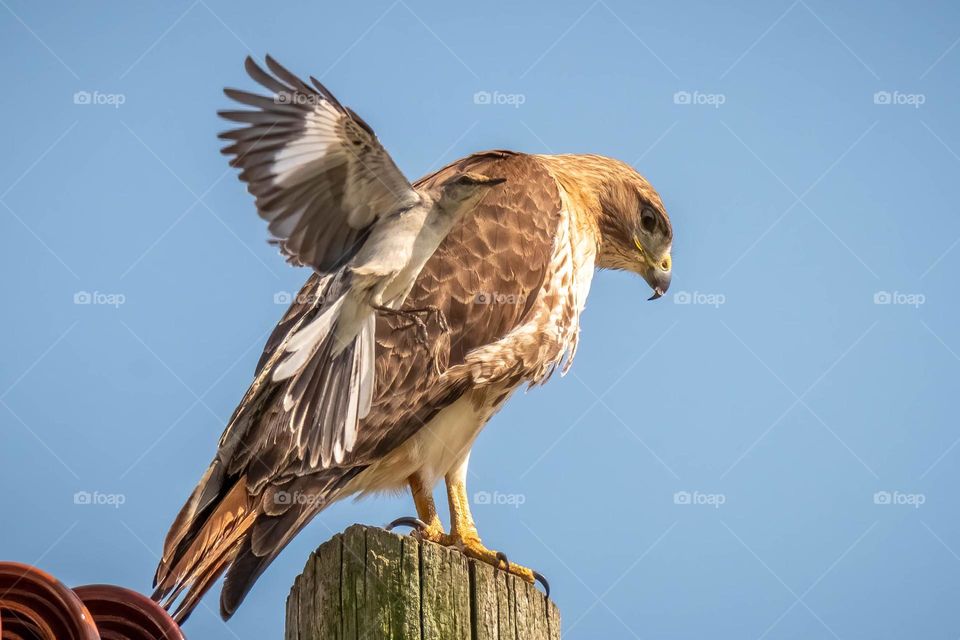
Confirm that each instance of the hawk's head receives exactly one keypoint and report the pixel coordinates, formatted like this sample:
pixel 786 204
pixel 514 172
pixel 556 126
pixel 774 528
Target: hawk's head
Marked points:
pixel 634 230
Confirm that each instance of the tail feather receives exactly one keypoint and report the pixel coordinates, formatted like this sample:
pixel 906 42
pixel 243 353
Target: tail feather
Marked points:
pixel 257 551
pixel 194 567
pixel 197 591
pixel 242 536
pixel 270 534
pixel 206 491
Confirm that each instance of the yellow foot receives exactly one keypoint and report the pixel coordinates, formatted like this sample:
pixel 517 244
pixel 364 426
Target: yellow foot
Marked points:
pixel 473 548
pixel 433 532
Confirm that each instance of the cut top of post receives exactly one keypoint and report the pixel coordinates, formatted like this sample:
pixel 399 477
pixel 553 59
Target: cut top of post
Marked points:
pixel 370 584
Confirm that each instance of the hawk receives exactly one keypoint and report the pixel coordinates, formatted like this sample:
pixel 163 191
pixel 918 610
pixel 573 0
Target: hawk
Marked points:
pixel 509 281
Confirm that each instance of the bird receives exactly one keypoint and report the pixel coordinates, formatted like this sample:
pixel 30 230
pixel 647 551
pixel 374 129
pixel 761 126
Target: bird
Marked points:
pixel 335 201
pixel 511 280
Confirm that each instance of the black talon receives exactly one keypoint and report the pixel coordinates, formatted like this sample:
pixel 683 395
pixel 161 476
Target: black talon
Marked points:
pixel 502 557
pixel 546 585
pixel 407 521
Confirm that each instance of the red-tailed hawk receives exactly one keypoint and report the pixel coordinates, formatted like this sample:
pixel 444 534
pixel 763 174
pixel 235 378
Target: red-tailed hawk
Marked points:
pixel 510 280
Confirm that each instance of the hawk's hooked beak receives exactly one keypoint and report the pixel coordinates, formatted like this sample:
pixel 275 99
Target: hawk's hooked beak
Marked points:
pixel 658 277
pixel 655 272
pixel 659 281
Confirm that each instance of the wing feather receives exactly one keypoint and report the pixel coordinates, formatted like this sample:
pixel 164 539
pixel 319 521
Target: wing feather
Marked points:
pixel 320 177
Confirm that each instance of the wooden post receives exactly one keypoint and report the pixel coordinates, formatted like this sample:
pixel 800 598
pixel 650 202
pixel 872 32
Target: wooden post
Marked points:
pixel 371 584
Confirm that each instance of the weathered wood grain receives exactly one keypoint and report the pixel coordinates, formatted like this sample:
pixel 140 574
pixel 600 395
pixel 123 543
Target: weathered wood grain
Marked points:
pixel 370 584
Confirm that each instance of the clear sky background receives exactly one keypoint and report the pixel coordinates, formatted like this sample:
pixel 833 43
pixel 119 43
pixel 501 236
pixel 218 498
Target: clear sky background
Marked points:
pixel 781 397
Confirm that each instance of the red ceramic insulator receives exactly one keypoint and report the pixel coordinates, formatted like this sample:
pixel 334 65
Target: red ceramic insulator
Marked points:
pixel 36 606
pixel 122 614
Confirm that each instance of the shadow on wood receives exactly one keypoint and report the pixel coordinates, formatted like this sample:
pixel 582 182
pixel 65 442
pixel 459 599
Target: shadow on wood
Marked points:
pixel 370 584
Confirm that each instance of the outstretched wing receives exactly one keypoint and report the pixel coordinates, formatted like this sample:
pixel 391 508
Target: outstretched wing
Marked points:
pixel 320 176
pixel 489 276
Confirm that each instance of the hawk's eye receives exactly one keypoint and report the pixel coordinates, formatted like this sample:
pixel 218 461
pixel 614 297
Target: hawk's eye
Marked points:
pixel 648 221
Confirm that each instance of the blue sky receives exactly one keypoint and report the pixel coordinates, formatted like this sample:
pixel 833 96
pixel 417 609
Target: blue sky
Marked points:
pixel 767 452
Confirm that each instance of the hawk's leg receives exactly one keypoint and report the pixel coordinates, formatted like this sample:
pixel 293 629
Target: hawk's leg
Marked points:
pixel 426 525
pixel 427 512
pixel 464 535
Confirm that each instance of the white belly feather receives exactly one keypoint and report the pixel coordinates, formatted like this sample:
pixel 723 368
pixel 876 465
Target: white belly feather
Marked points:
pixel 435 449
